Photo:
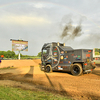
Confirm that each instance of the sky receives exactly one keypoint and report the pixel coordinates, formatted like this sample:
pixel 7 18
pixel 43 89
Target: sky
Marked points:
pixel 44 21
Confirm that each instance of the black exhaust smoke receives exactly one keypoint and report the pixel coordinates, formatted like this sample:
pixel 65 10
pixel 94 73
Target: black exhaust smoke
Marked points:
pixel 71 31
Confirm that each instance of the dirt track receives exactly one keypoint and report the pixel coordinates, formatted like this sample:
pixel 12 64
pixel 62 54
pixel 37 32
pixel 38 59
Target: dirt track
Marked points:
pixel 85 87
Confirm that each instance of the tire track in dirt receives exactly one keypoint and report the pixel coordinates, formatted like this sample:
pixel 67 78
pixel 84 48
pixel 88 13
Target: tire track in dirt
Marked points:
pixel 85 87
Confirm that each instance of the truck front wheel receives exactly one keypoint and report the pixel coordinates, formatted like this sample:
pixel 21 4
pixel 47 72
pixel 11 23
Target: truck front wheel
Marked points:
pixel 48 68
pixel 76 69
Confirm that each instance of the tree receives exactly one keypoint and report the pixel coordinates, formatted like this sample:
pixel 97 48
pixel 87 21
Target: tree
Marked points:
pixel 3 53
pixel 10 54
pixel 39 54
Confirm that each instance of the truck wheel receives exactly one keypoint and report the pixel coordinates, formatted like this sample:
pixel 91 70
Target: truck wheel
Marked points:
pixel 48 68
pixel 76 69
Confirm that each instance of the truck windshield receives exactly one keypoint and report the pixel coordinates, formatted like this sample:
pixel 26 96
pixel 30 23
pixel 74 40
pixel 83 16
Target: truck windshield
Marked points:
pixel 45 51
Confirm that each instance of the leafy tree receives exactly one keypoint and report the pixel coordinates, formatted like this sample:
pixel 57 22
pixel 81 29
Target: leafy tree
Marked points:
pixel 21 55
pixel 16 56
pixel 3 53
pixel 39 54
pixel 10 54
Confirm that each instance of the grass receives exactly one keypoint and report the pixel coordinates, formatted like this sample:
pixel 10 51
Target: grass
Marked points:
pixel 10 93
pixel 31 57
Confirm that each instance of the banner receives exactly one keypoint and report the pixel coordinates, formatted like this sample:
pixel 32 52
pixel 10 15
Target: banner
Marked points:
pixel 18 45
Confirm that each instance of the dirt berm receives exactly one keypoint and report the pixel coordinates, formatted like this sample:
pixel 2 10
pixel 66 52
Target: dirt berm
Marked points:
pixel 27 75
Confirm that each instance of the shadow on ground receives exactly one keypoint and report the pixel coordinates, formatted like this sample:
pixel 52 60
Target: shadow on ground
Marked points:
pixel 96 71
pixel 52 88
pixel 30 72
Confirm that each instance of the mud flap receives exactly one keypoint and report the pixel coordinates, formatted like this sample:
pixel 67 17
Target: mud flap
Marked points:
pixel 89 66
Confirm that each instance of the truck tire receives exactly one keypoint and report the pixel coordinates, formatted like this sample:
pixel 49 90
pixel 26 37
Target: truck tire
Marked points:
pixel 76 69
pixel 48 68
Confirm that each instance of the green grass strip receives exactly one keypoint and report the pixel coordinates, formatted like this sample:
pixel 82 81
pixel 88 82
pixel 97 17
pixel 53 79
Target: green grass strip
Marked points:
pixel 10 93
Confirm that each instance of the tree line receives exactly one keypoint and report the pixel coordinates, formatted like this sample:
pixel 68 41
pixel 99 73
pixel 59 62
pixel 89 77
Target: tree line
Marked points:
pixel 8 54
pixel 12 54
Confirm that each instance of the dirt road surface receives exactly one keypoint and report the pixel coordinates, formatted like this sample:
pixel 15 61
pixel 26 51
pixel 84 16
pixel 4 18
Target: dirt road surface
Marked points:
pixel 27 75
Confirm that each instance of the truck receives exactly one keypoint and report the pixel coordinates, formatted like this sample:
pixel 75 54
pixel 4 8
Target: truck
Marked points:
pixel 56 56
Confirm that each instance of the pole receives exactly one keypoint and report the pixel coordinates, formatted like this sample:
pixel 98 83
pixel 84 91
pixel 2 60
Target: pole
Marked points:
pixel 19 55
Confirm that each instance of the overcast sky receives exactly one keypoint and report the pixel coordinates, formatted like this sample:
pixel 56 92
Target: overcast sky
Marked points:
pixel 43 21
